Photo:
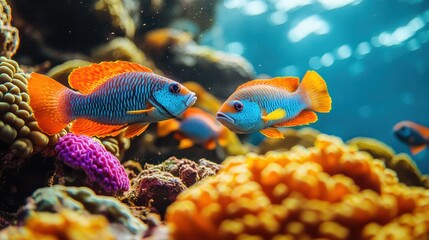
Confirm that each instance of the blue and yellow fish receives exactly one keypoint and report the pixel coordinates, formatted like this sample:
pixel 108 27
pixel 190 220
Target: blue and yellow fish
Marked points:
pixel 414 135
pixel 265 105
pixel 196 126
pixel 113 97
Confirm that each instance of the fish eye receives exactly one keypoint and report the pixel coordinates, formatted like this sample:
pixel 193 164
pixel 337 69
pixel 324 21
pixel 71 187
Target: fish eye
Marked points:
pixel 238 106
pixel 174 88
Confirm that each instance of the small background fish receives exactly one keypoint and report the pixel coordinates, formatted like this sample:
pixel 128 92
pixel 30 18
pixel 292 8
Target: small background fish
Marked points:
pixel 264 105
pixel 195 126
pixel 414 135
pixel 112 97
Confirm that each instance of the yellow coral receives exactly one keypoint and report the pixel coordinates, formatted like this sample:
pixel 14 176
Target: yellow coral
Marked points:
pixel 64 225
pixel 329 191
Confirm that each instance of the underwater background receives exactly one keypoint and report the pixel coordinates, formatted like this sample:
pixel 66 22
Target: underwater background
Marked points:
pixel 373 55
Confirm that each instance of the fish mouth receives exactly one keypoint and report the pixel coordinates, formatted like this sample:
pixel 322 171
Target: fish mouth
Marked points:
pixel 191 100
pixel 222 117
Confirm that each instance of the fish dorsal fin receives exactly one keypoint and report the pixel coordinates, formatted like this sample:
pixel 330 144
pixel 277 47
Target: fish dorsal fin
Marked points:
pixel 289 84
pixel 91 128
pixel 194 110
pixel 305 117
pixel 86 79
pixel 135 129
pixel 424 131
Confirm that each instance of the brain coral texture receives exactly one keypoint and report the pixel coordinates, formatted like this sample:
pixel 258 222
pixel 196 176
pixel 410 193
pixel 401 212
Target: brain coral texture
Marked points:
pixel 329 191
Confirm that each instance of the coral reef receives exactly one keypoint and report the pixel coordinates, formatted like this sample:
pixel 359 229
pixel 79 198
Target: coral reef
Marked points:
pixel 155 189
pixel 84 200
pixel 99 165
pixel 330 191
pixel 402 164
pixel 18 127
pixel 187 170
pixel 57 34
pixel 65 224
pixel 304 137
pixel 157 186
pixel 9 35
pixel 177 55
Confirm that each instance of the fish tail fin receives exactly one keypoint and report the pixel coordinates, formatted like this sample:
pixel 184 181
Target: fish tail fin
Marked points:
pixel 315 92
pixel 50 103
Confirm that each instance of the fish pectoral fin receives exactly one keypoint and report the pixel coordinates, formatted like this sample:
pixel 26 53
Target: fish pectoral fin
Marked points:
pixel 91 128
pixel 277 114
pixel 272 133
pixel 417 149
pixel 185 143
pixel 141 111
pixel 167 126
pixel 210 145
pixel 135 129
pixel 305 117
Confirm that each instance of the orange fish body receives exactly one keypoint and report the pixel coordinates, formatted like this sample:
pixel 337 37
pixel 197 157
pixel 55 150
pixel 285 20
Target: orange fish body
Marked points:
pixel 113 97
pixel 195 126
pixel 265 105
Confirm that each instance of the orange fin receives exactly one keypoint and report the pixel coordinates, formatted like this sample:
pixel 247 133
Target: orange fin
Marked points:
pixel 277 114
pixel 91 128
pixel 167 126
pixel 185 143
pixel 305 117
pixel 315 92
pixel 197 111
pixel 290 84
pixel 223 136
pixel 210 145
pixel 424 131
pixel 135 129
pixel 417 149
pixel 86 79
pixel 141 111
pixel 48 103
pixel 272 133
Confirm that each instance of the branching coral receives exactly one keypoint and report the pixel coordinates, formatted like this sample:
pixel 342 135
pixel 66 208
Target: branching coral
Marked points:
pixel 100 166
pixel 329 191
pixel 9 35
pixel 63 225
pixel 82 199
pixel 18 126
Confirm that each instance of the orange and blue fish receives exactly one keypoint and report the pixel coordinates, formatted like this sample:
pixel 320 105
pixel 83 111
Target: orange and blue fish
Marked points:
pixel 195 126
pixel 111 97
pixel 416 136
pixel 266 105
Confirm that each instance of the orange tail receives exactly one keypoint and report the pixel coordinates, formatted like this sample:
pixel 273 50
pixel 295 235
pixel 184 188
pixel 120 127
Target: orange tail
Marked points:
pixel 314 88
pixel 49 102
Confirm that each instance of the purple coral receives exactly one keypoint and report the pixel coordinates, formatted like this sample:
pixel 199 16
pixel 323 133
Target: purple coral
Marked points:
pixel 82 152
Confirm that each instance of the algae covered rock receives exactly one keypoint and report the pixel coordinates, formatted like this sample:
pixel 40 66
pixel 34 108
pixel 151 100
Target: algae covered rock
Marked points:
pixel 9 35
pixel 84 200
pixel 177 55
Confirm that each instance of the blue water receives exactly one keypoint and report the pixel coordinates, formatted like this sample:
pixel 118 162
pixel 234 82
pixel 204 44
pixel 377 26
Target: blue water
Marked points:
pixel 372 53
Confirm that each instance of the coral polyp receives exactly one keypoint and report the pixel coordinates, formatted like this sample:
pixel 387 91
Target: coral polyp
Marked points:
pixel 330 191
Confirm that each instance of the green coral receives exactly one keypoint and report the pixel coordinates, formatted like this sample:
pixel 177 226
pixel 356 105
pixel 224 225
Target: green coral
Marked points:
pixel 57 198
